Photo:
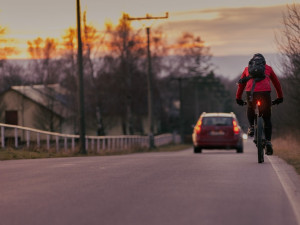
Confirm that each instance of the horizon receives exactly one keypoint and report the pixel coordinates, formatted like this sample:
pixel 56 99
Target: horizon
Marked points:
pixel 228 66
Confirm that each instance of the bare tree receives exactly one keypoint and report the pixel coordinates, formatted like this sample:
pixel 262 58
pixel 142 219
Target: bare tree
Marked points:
pixel 46 66
pixel 125 72
pixel 189 64
pixel 7 68
pixel 192 56
pixel 92 43
pixel 288 41
pixel 5 49
pixel 11 74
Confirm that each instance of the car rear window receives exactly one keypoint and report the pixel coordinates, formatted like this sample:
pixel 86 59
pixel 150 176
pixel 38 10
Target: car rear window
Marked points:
pixel 217 121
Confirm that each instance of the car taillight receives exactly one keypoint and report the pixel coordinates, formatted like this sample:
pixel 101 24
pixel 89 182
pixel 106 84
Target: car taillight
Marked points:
pixel 198 126
pixel 236 129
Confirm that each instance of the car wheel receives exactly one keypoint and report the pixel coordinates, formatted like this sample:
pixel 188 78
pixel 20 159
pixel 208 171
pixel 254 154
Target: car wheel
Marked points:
pixel 197 149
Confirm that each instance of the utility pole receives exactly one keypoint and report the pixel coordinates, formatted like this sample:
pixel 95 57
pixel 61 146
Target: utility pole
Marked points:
pixel 80 83
pixel 149 78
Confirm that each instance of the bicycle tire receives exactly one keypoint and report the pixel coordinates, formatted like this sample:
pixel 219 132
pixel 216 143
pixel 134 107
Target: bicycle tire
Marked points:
pixel 259 138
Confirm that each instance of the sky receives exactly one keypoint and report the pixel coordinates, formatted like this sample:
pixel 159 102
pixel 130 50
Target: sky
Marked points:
pixel 228 27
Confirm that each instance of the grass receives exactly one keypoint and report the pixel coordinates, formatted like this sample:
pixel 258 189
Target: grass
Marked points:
pixel 11 153
pixel 288 148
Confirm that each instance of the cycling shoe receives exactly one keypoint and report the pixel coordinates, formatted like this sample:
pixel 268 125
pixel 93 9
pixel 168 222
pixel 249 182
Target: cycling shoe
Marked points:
pixel 250 131
pixel 269 148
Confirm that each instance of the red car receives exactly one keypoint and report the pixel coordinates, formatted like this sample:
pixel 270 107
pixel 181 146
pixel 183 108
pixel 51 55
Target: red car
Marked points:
pixel 217 131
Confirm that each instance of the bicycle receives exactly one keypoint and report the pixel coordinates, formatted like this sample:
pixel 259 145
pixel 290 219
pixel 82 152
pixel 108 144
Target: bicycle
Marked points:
pixel 259 134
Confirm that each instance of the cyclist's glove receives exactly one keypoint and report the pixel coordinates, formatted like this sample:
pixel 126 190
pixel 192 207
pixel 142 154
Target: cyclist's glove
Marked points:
pixel 240 102
pixel 277 101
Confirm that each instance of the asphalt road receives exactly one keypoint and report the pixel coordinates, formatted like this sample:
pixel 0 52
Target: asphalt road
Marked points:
pixel 177 188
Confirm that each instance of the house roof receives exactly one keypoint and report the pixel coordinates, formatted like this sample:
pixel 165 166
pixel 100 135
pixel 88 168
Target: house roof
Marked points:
pixel 53 97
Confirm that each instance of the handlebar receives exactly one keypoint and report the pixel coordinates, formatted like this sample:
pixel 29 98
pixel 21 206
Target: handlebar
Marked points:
pixel 272 103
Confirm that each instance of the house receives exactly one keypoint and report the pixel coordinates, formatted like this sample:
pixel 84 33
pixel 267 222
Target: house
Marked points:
pixel 41 107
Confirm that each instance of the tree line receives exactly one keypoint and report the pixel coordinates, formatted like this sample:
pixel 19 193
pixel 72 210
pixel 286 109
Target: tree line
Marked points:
pixel 115 75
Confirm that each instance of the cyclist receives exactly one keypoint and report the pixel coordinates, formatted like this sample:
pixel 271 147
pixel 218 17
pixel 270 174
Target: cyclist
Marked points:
pixel 262 91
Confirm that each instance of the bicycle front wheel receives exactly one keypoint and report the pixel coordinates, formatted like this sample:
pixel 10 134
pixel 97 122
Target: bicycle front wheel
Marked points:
pixel 259 139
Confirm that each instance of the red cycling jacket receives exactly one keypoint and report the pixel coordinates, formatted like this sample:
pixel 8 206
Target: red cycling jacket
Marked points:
pixel 263 85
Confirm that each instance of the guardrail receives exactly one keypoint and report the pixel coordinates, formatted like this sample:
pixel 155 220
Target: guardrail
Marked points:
pixel 19 136
pixel 165 139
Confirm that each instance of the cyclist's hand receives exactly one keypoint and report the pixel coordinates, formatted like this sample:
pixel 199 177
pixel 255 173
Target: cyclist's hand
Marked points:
pixel 240 102
pixel 277 101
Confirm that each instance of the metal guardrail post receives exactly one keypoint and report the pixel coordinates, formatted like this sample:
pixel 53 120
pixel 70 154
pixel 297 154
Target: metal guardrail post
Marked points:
pixel 98 145
pixel 103 144
pixel 27 138
pixel 73 144
pixel 93 144
pixel 38 139
pixel 57 143
pixel 126 143
pixel 86 144
pixel 48 142
pixel 2 137
pixel 16 137
pixel 66 143
pixel 108 144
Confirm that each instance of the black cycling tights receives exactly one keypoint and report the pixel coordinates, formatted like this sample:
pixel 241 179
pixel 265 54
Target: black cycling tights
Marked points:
pixel 265 110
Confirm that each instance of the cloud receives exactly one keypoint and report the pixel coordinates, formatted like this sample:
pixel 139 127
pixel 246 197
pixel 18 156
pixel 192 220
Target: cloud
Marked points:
pixel 230 30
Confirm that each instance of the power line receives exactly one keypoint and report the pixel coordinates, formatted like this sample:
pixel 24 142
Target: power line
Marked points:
pixel 148 17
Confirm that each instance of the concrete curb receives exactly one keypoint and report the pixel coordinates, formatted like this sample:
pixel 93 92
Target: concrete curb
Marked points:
pixel 290 181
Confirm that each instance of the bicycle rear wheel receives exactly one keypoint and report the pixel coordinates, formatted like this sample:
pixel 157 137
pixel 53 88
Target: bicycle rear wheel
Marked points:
pixel 259 139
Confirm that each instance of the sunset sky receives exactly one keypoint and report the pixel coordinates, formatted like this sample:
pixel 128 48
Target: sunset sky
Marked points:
pixel 229 27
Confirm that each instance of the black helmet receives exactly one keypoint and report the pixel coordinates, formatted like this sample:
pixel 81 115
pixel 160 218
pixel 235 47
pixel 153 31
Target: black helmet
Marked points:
pixel 259 56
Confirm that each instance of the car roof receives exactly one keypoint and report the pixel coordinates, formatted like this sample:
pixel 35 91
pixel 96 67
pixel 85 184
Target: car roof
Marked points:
pixel 218 114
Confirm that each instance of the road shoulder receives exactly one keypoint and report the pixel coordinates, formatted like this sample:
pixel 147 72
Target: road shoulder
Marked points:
pixel 290 181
